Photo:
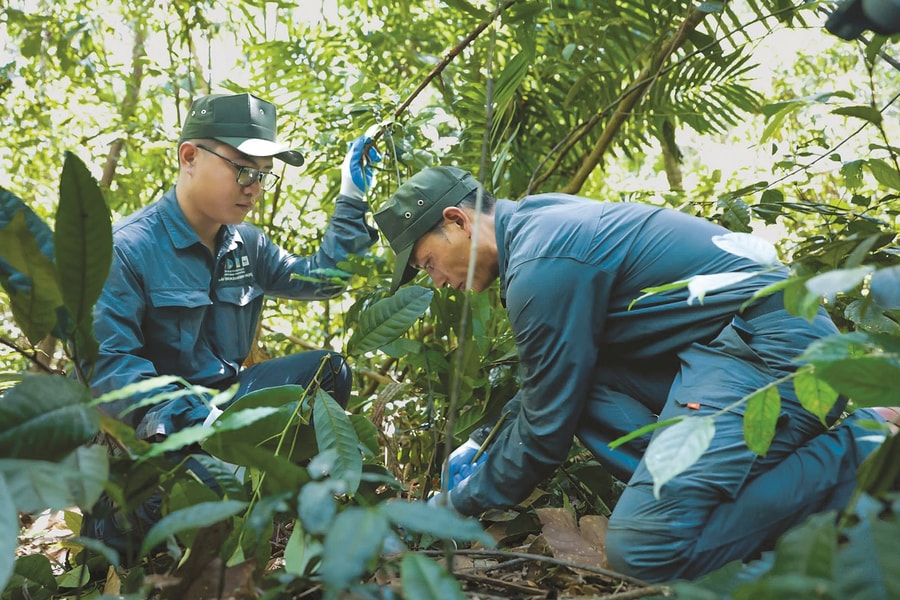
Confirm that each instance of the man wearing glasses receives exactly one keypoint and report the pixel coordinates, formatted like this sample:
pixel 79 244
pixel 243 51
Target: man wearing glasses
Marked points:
pixel 188 277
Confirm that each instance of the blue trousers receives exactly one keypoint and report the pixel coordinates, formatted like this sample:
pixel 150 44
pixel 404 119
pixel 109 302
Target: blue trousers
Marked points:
pixel 731 503
pixel 336 378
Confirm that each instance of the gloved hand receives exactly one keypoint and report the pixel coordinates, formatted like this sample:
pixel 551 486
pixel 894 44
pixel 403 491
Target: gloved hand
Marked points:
pixel 460 465
pixel 438 500
pixel 357 176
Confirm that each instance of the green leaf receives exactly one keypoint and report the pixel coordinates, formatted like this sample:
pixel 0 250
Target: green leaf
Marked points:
pixel 82 242
pixel 424 579
pixel 194 517
pixel 45 417
pixel 871 317
pixel 355 538
pixel 77 480
pixel 335 432
pixel 281 473
pixel 866 563
pixel 800 301
pixel 9 532
pixel 808 549
pixel 831 283
pixel 735 213
pixel 388 319
pixel 749 246
pixel 760 418
pixel 32 578
pixel 814 395
pixel 317 506
pixel 367 434
pixel 885 287
pixel 676 448
pixel 438 521
pixel 301 552
pixel 32 287
pixel 884 173
pixel 866 113
pixel 867 380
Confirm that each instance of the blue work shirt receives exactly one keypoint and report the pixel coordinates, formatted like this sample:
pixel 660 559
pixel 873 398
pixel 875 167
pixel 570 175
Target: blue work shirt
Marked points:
pixel 569 269
pixel 169 307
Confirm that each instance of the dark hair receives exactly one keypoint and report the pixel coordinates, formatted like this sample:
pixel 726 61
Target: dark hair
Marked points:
pixel 469 201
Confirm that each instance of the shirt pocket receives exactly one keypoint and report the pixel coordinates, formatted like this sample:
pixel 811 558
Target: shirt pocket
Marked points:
pixel 235 318
pixel 176 325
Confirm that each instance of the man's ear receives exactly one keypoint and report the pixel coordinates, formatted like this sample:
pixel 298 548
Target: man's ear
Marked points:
pixel 454 216
pixel 187 153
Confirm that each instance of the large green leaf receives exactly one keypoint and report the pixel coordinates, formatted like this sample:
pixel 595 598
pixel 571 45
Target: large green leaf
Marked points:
pixel 388 319
pixel 354 539
pixel 32 285
pixel 814 395
pixel 438 521
pixel 83 239
pixel 760 418
pixel 335 432
pixel 317 505
pixel 808 549
pixel 866 565
pixel 45 417
pixel 194 517
pixel 301 552
pixel 77 480
pixel 426 580
pixel 676 448
pixel 867 380
pixel 32 578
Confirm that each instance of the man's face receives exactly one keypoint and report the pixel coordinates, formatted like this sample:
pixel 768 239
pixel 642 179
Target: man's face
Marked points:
pixel 217 196
pixel 444 255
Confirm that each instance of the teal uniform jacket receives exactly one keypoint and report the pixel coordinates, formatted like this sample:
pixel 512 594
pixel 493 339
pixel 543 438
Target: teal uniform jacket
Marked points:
pixel 169 307
pixel 597 364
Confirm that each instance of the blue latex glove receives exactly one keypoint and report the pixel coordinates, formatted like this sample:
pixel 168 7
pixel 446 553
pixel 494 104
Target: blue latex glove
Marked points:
pixel 357 176
pixel 460 465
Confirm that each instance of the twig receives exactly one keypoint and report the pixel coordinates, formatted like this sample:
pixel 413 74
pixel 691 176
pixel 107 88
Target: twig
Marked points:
pixel 546 559
pixel 453 53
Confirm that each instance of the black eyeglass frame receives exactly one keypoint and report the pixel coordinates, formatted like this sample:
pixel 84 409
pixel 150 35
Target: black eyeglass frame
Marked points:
pixel 247 176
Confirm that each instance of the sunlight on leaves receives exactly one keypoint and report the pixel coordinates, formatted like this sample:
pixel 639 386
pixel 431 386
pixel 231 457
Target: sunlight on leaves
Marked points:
pixel 815 395
pixel 830 284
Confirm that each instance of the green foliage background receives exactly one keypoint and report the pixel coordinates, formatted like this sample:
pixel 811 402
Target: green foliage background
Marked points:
pixel 619 101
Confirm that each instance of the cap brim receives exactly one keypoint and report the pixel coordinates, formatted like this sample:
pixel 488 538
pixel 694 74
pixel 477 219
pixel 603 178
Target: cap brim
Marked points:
pixel 402 271
pixel 259 147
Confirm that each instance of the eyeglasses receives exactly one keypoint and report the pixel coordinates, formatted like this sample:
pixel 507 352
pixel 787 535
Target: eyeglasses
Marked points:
pixel 247 176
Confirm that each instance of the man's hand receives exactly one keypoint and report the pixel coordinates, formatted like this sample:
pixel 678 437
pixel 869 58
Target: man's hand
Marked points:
pixel 460 465
pixel 357 176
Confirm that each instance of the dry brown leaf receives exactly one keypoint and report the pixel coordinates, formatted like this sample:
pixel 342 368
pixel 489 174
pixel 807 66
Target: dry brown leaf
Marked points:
pixel 566 541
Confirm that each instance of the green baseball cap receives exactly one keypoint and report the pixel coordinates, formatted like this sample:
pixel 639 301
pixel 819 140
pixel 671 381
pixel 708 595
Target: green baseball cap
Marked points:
pixel 416 208
pixel 243 121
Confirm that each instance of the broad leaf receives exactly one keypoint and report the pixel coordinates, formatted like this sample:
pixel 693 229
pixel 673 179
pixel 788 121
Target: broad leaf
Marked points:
pixel 29 277
pixel 45 417
pixel 814 395
pixel 831 283
pixel 885 287
pixel 301 552
pixel 760 418
pixel 83 239
pixel 317 505
pixel 32 578
pixel 438 521
pixel 867 380
pixel 748 246
pixel 867 558
pixel 389 318
pixel 354 539
pixel 194 517
pixel 424 579
pixel 77 480
pixel 864 112
pixel 885 174
pixel 676 448
pixel 335 432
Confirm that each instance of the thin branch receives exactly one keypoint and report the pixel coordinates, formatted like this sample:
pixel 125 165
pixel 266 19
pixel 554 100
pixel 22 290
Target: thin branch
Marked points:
pixel 448 58
pixel 32 356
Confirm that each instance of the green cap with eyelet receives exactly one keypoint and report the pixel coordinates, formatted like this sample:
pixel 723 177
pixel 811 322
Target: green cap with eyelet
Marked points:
pixel 243 121
pixel 416 208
